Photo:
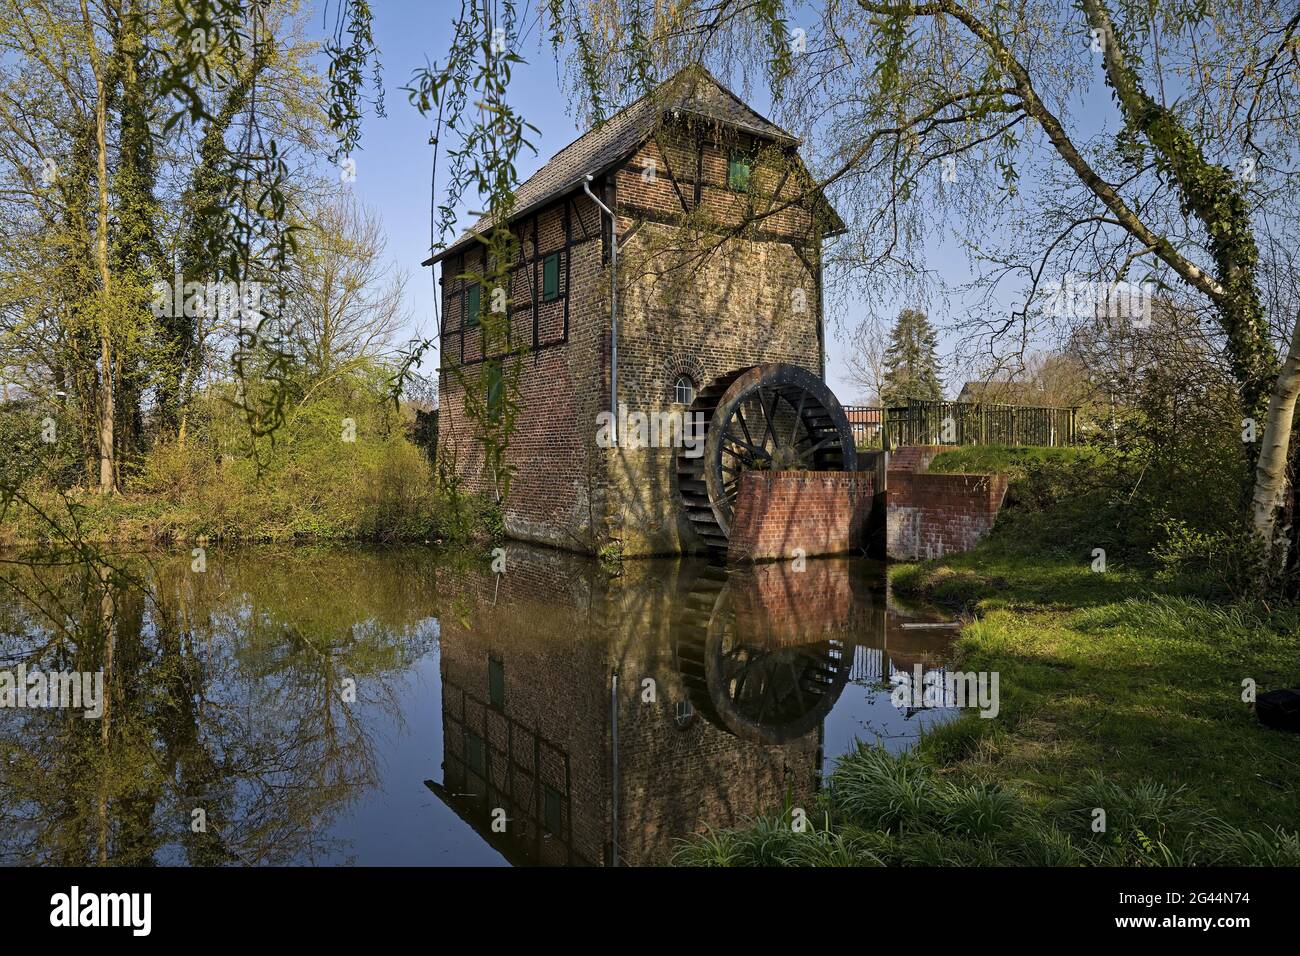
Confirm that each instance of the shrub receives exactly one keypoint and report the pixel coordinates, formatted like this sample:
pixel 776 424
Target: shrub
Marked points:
pixel 1224 563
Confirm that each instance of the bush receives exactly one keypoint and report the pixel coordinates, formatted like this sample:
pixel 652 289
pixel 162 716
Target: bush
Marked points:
pixel 1218 563
pixel 341 466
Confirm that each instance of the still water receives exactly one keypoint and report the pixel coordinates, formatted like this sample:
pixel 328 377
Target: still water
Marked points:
pixel 366 705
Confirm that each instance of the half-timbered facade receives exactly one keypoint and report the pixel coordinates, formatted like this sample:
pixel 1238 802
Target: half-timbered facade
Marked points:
pixel 719 231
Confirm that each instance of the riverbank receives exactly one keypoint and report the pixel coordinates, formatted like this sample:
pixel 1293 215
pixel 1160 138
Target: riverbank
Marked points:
pixel 367 508
pixel 1122 680
pixel 1113 698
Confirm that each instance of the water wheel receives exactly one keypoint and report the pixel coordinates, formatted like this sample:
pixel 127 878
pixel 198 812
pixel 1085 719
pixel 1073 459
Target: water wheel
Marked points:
pixel 768 417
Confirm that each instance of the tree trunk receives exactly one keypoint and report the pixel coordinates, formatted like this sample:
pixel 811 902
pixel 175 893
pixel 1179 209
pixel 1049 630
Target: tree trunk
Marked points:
pixel 107 471
pixel 1271 468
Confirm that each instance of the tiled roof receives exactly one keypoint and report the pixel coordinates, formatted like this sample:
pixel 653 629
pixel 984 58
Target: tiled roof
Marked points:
pixel 693 90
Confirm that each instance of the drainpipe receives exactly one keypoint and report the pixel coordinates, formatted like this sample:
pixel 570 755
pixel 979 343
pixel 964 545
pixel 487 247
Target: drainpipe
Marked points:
pixel 613 309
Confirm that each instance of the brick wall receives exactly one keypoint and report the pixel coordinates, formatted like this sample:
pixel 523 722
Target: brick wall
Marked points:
pixel 821 512
pixel 925 515
pixel 930 515
pixel 555 486
pixel 914 458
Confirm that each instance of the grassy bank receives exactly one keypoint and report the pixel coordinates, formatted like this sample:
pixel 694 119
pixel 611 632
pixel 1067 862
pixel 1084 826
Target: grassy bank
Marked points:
pixel 342 466
pixel 1120 689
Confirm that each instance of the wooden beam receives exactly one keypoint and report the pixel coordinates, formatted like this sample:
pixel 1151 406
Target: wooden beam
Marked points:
pixel 672 178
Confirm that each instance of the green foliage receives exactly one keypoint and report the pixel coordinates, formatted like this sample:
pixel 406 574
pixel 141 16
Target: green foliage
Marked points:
pixel 343 467
pixel 911 361
pixel 1167 500
pixel 1219 563
pixel 347 63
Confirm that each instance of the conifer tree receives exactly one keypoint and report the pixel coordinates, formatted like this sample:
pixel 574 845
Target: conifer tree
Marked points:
pixel 911 362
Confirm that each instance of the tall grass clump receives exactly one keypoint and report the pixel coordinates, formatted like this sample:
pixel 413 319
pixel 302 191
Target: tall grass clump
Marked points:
pixel 882 809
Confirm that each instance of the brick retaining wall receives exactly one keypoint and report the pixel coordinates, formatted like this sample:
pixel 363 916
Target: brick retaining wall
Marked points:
pixel 930 514
pixel 925 515
pixel 820 512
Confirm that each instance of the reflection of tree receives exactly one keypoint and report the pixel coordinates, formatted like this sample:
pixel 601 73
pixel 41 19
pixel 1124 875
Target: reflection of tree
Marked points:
pixel 226 691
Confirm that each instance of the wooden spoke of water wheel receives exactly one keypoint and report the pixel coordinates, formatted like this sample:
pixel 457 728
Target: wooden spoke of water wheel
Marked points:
pixel 769 417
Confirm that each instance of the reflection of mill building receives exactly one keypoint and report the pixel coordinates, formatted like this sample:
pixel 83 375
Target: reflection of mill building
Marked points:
pixel 744 665
pixel 528 723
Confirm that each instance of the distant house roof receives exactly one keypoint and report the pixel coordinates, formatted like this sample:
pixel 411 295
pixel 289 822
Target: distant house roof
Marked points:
pixel 692 91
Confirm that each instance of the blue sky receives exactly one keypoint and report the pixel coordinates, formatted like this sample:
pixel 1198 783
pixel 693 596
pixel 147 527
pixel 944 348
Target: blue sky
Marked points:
pixel 393 167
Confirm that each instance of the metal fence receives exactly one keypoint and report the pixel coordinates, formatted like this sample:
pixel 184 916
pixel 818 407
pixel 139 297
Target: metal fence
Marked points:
pixel 960 423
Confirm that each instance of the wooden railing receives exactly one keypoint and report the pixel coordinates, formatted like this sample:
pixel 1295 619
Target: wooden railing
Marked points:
pixel 960 423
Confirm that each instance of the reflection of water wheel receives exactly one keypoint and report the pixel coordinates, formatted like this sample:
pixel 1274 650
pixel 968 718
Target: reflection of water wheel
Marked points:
pixel 761 691
pixel 769 417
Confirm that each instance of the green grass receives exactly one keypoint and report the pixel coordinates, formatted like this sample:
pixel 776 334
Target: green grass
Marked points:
pixel 1013 460
pixel 1107 672
pixel 902 810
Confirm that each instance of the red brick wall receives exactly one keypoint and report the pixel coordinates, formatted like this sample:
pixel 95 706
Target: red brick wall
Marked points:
pixel 821 512
pixel 930 515
pixel 552 454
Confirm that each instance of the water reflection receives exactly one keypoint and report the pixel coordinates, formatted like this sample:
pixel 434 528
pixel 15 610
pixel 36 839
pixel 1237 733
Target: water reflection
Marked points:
pixel 552 714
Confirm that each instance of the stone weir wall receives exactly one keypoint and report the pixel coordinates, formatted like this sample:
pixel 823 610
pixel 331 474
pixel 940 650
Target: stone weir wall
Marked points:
pixel 783 515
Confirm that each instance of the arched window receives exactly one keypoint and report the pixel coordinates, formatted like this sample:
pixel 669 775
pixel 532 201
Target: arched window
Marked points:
pixel 683 390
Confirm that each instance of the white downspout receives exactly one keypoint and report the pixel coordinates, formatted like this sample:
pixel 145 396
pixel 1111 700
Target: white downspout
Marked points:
pixel 613 310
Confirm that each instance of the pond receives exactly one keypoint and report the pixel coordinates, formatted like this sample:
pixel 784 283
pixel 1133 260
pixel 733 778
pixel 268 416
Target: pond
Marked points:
pixel 402 705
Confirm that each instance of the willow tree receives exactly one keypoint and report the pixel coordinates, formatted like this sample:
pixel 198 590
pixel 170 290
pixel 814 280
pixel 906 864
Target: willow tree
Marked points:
pixel 1106 141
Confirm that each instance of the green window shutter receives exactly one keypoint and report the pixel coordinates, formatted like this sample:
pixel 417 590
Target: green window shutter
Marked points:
pixel 471 309
pixel 738 171
pixel 551 277
pixel 552 810
pixel 475 756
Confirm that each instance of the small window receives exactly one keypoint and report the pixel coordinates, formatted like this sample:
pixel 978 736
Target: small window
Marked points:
pixel 496 683
pixel 553 810
pixel 683 390
pixel 738 172
pixel 551 277
pixel 471 306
